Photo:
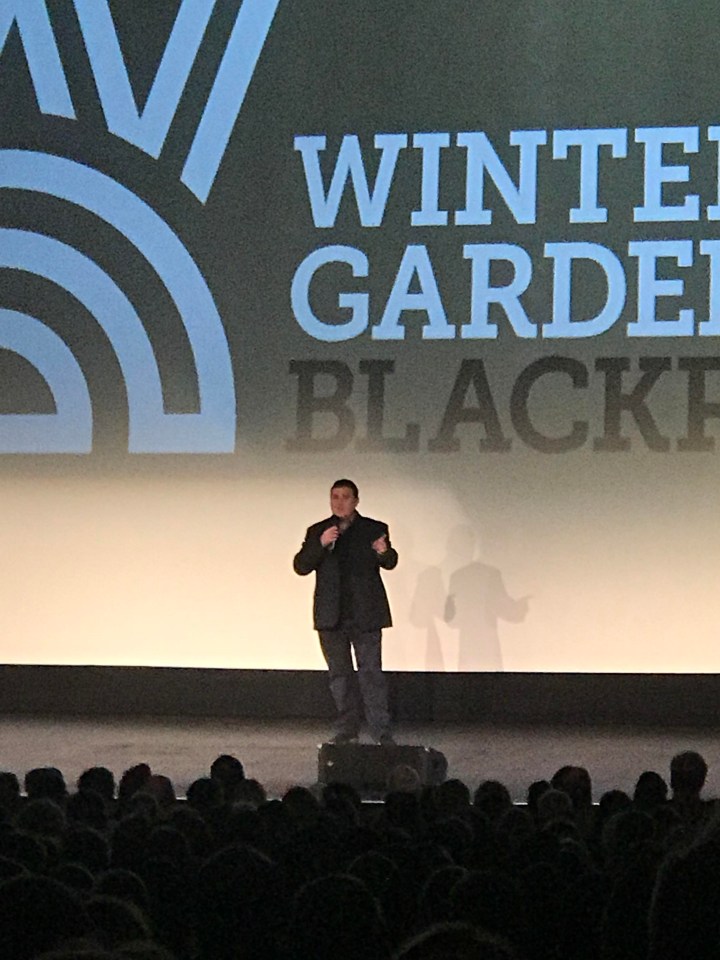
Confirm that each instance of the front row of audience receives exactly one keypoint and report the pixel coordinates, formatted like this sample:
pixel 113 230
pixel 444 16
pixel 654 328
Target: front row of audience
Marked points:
pixel 432 873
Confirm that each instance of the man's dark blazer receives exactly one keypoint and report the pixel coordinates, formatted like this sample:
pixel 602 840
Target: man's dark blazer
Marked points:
pixel 360 564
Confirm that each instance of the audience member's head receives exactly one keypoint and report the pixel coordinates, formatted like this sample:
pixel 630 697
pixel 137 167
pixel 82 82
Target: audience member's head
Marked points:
pixel 554 805
pixel 452 798
pixel 536 789
pixel 42 818
pixel 434 902
pixel 26 849
pixel 376 870
pixel 612 802
pixel 132 780
pixel 205 794
pixel 87 807
pixel 141 804
pixel 240 903
pixel 455 941
pixel 124 884
pixel 515 828
pixel 650 791
pixel 116 922
pixel 80 950
pixel 45 783
pixel 88 847
pixel 336 916
pixel 493 799
pixel 129 842
pixel 230 772
pixel 455 835
pixel 688 771
pixel 38 914
pixel 249 791
pixel 343 800
pixel 302 805
pixel 576 783
pixel 194 827
pixel 161 789
pixel 403 810
pixel 9 793
pixel 625 836
pixel 143 950
pixel 490 900
pixel 684 921
pixel 75 876
pixel 168 843
pixel 99 780
pixel 11 868
pixel 403 779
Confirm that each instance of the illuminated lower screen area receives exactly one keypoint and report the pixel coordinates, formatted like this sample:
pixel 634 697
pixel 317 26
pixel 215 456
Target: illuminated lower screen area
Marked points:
pixel 472 263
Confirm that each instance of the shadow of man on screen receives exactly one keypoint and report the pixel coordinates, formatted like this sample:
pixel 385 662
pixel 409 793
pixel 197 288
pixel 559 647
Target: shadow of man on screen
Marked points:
pixel 476 600
pixel 426 610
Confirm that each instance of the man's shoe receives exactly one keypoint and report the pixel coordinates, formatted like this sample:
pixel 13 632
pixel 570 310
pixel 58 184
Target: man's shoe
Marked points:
pixel 344 738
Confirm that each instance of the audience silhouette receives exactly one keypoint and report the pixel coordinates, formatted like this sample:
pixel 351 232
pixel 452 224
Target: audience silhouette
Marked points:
pixel 443 872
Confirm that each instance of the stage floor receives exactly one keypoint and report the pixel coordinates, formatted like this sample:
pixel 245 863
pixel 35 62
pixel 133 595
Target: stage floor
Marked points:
pixel 283 753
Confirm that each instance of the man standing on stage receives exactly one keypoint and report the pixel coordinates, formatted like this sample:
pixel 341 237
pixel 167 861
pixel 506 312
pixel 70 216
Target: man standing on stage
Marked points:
pixel 350 609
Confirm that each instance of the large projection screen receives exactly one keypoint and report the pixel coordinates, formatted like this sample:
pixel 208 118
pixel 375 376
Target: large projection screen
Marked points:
pixel 464 253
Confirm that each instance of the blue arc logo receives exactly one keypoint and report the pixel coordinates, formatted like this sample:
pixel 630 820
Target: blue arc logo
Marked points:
pixel 151 429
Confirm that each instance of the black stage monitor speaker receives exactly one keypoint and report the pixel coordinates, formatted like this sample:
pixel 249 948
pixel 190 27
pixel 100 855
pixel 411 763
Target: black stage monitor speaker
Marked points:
pixel 366 766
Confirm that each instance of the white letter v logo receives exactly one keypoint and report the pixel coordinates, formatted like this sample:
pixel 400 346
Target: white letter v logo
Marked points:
pixel 149 129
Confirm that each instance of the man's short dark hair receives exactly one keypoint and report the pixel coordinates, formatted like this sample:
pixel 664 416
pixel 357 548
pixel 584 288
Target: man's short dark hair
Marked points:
pixel 688 771
pixel 227 768
pixel 349 484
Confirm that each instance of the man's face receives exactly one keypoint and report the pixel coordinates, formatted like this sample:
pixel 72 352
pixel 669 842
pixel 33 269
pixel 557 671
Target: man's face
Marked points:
pixel 342 501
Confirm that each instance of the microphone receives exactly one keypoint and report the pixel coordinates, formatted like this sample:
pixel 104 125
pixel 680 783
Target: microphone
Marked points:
pixel 342 526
